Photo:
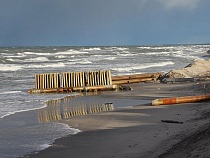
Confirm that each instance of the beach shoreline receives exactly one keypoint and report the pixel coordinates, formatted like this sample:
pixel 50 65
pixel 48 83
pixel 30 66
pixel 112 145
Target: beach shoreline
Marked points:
pixel 135 131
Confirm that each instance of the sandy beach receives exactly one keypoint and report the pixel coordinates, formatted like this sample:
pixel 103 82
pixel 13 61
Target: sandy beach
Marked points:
pixel 137 131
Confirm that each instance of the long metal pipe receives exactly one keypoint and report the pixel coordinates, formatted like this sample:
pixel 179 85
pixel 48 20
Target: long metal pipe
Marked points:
pixel 73 89
pixel 131 81
pixel 180 100
pixel 135 76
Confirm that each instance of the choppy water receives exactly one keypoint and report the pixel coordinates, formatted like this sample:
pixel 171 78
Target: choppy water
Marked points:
pixel 19 64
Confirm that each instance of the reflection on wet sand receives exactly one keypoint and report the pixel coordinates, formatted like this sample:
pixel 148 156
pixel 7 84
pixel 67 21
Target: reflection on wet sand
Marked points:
pixel 67 108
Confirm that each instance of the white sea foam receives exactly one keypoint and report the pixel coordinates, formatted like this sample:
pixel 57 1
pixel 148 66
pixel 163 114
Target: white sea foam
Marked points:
pixel 38 59
pixel 10 67
pixel 10 92
pixel 60 56
pixel 18 111
pixel 156 53
pixel 121 48
pixel 80 62
pixel 29 53
pixel 144 47
pixel 155 48
pixel 10 59
pixel 91 49
pixel 19 60
pixel 19 55
pixel 129 54
pixel 43 146
pixel 65 127
pixel 110 58
pixel 71 51
pixel 98 55
pixel 144 66
pixel 41 103
pixel 185 54
pixel 50 65
pixel 37 53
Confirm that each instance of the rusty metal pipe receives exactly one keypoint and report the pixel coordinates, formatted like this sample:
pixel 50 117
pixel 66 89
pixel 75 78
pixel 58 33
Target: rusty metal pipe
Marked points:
pixel 135 76
pixel 73 89
pixel 131 81
pixel 180 100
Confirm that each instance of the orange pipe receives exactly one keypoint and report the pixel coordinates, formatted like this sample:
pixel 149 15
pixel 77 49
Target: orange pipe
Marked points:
pixel 180 100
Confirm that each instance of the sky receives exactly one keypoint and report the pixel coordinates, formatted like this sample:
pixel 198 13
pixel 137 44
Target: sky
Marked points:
pixel 103 22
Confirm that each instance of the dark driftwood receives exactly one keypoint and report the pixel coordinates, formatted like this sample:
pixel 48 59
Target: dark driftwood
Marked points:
pixel 172 121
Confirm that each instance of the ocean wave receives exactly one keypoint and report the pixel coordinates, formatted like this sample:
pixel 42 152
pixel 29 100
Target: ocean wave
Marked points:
pixel 39 103
pixel 143 66
pixel 60 56
pixel 36 53
pixel 71 51
pixel 128 54
pixel 91 49
pixel 10 67
pixel 186 54
pixel 144 47
pixel 10 59
pixel 13 67
pixel 156 48
pixel 50 65
pixel 116 49
pixel 19 55
pixel 29 53
pixel 121 48
pixel 156 53
pixel 10 92
pixel 110 58
pixel 38 59
pixel 80 62
pixel 98 55
pixel 64 128
pixel 19 111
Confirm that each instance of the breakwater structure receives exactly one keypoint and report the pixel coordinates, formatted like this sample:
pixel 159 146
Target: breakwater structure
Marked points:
pixel 85 81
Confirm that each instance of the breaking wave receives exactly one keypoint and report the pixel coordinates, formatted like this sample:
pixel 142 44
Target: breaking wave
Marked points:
pixel 144 66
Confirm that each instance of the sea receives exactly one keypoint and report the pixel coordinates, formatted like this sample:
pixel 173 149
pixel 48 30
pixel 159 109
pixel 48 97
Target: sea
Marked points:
pixel 18 65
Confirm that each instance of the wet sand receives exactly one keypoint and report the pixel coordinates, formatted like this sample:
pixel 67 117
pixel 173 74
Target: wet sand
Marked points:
pixel 137 131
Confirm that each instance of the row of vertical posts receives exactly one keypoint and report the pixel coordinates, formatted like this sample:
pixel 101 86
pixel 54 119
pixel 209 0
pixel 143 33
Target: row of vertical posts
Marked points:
pixel 56 114
pixel 47 81
pixel 99 78
pixel 73 79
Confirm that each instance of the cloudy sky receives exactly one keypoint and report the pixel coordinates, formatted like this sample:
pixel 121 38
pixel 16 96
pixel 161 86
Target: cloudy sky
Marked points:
pixel 103 22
